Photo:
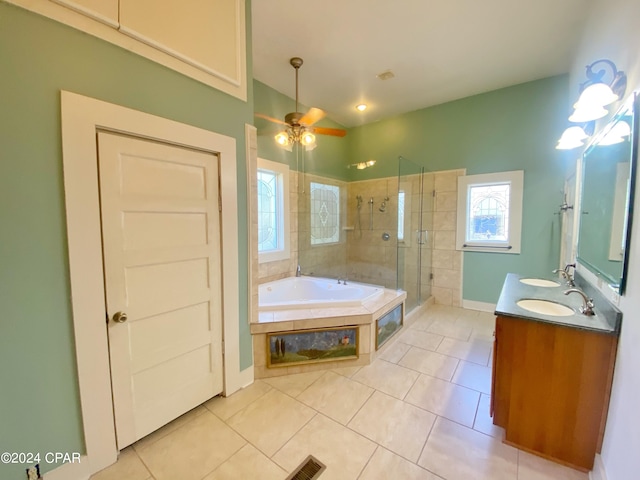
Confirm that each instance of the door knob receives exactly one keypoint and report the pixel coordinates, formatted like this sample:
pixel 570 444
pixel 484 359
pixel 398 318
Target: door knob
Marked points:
pixel 119 317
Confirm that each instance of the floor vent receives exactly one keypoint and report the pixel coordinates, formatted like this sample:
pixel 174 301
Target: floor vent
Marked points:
pixel 310 469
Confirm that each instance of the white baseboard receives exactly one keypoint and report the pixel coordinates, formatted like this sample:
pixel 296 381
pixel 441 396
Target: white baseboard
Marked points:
pixel 70 471
pixel 482 306
pixel 598 472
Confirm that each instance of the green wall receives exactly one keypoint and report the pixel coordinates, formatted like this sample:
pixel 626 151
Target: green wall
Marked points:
pixel 514 128
pixel 39 403
pixel 329 158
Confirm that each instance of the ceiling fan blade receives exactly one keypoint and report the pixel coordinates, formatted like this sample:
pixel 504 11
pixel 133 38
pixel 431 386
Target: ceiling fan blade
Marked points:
pixel 271 119
pixel 312 116
pixel 336 132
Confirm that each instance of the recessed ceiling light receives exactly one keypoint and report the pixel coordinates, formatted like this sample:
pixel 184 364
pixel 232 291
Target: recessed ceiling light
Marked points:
pixel 361 108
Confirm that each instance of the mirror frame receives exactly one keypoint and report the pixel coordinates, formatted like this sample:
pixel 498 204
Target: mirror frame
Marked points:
pixel 632 101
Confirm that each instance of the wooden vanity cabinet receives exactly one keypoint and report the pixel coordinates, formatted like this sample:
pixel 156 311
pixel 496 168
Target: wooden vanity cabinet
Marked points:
pixel 550 388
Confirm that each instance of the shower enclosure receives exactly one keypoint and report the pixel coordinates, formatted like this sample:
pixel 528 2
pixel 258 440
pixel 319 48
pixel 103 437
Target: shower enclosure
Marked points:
pixel 371 231
pixel 415 226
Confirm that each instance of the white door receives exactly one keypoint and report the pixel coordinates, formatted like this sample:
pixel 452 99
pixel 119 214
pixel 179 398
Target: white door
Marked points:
pixel 161 243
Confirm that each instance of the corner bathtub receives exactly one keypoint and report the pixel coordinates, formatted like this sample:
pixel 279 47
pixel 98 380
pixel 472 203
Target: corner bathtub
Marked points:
pixel 313 292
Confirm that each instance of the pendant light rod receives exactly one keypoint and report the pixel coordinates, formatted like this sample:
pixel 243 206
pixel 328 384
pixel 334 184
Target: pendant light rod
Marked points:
pixel 296 62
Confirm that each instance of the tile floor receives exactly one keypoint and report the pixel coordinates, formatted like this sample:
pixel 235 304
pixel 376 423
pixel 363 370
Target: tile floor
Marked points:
pixel 419 411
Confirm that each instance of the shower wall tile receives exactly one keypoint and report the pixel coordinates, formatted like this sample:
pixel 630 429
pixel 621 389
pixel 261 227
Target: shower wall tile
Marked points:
pixel 446 201
pixel 443 259
pixel 444 240
pixel 446 181
pixel 446 278
pixel 442 296
pixel 444 220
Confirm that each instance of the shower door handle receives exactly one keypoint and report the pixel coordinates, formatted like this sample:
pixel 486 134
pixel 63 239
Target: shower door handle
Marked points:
pixel 422 237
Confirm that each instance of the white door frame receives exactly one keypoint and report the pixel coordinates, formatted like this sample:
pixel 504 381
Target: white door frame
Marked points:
pixel 81 117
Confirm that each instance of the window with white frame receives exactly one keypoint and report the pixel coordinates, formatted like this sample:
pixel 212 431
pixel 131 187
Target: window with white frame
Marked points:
pixel 273 211
pixel 325 213
pixel 490 212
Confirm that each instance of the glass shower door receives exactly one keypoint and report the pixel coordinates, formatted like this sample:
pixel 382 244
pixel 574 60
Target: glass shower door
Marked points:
pixel 415 223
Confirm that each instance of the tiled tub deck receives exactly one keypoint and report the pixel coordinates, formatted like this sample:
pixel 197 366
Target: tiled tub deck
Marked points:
pixel 287 321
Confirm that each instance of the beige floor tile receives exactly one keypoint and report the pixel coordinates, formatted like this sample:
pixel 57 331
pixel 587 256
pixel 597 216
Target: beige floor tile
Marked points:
pixel 395 352
pixel 387 377
pixel 474 376
pixel 269 422
pixel 531 467
pixel 467 317
pixel 445 399
pixel 385 465
pixel 484 422
pixel 476 351
pixel 425 340
pixel 226 407
pixel 293 385
pixel 446 312
pixel 422 324
pixel 459 453
pixel 431 363
pixel 248 462
pixel 346 371
pixel 169 427
pixel 394 424
pixel 343 451
pixel 336 396
pixel 193 450
pixel 128 466
pixel 451 329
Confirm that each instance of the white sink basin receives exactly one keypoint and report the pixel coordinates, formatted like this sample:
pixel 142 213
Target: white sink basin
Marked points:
pixel 545 307
pixel 539 282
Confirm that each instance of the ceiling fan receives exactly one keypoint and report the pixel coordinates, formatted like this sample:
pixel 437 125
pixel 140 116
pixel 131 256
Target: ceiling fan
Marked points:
pixel 299 127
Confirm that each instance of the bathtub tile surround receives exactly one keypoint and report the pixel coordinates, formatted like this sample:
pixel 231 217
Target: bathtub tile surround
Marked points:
pixel 300 319
pixel 395 427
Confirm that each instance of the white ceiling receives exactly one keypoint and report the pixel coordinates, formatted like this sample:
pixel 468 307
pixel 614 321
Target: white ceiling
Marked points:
pixel 439 50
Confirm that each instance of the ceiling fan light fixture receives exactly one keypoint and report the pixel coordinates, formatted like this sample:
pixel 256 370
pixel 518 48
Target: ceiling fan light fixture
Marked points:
pixel 307 138
pixel 282 139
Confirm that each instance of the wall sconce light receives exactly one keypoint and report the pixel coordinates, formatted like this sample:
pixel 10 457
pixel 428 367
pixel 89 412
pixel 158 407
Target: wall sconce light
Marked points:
pixel 362 165
pixel 572 137
pixel 595 95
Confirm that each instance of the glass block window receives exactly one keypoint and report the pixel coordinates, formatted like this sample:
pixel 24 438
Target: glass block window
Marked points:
pixel 325 213
pixel 273 211
pixel 490 212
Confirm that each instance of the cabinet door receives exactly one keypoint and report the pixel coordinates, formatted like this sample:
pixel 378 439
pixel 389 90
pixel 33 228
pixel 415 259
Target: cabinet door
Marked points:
pixel 203 34
pixel 105 11
pixel 502 372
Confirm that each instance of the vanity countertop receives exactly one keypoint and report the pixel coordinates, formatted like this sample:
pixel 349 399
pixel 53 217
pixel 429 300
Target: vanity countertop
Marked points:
pixel 606 320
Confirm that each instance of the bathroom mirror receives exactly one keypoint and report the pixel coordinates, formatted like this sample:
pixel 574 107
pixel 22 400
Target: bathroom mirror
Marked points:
pixel 608 178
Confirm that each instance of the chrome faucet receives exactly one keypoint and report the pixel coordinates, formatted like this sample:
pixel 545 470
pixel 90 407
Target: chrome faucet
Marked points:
pixel 587 307
pixel 566 275
pixel 298 272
